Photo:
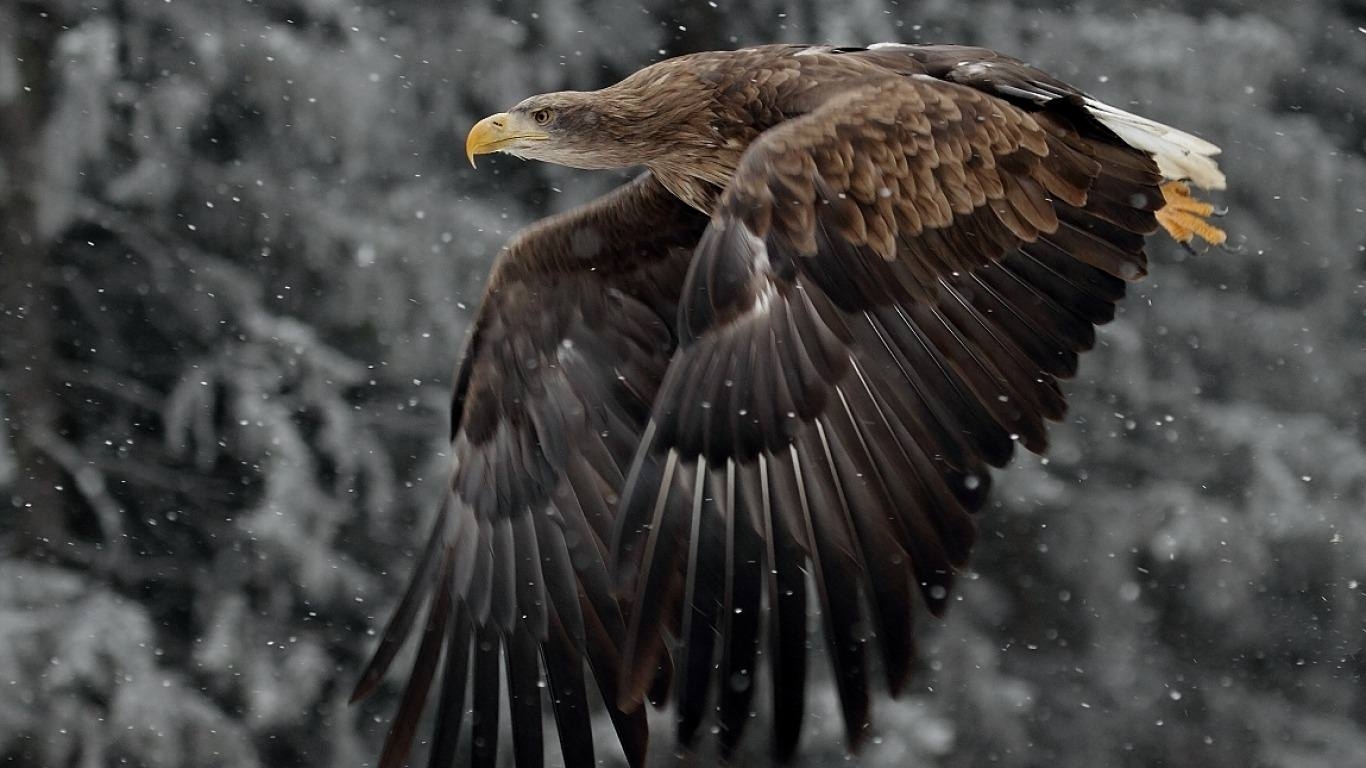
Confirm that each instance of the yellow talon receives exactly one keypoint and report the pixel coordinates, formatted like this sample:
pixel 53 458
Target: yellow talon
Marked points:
pixel 1184 217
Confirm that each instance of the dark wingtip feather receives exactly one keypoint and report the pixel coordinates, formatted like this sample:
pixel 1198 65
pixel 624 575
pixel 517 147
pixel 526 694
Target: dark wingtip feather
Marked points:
pixel 399 742
pixel 485 703
pixel 400 624
pixel 451 706
pixel 604 658
pixel 701 606
pixel 744 576
pixel 656 599
pixel 524 698
pixel 569 698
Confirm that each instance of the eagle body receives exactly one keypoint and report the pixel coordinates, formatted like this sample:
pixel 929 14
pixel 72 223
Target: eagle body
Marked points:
pixel 775 368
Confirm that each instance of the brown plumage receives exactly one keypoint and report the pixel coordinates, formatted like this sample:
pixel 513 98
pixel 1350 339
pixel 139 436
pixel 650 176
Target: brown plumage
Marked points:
pixel 848 282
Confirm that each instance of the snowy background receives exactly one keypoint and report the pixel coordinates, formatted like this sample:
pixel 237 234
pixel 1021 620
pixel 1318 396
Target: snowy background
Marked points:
pixel 238 248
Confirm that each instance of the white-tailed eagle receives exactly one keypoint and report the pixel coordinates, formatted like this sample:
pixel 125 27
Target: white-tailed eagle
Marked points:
pixel 774 368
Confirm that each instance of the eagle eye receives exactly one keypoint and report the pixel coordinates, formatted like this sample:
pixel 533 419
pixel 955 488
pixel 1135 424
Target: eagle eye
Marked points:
pixel 542 116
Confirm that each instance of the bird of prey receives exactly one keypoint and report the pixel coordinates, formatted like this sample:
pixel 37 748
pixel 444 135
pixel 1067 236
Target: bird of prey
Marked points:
pixel 773 370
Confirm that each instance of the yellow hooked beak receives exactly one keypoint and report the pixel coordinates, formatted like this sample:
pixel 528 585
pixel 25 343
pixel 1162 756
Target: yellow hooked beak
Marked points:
pixel 497 132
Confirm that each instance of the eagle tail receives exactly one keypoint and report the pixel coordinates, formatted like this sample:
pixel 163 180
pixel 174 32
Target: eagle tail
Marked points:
pixel 1179 155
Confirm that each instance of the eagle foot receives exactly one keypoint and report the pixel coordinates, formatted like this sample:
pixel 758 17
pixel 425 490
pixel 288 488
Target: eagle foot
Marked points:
pixel 1186 218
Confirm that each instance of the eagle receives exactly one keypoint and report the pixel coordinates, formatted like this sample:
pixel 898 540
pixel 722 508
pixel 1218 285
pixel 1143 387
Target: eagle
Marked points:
pixel 766 379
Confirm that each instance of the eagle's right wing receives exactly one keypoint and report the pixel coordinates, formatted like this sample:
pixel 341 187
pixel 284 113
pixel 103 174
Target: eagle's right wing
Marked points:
pixel 567 351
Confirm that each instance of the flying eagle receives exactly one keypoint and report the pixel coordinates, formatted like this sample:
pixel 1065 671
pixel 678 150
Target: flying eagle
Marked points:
pixel 774 369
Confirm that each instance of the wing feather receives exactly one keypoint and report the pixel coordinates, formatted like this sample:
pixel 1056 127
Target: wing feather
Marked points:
pixel 524 697
pixel 569 695
pixel 701 617
pixel 487 694
pixel 740 617
pixel 401 622
pixel 835 570
pixel 400 739
pixel 785 561
pixel 451 706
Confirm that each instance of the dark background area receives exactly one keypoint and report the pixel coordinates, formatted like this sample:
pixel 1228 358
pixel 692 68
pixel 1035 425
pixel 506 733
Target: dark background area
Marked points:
pixel 239 245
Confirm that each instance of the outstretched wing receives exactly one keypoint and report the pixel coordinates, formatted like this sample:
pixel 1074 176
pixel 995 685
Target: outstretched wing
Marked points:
pixel 884 303
pixel 567 353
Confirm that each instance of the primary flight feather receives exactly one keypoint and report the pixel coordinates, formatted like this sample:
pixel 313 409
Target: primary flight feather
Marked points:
pixel 777 365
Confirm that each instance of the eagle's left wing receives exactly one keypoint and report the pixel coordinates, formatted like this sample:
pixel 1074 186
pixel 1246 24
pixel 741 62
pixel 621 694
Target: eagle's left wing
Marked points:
pixel 882 306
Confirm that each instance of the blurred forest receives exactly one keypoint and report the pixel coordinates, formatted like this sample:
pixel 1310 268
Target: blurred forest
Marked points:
pixel 239 245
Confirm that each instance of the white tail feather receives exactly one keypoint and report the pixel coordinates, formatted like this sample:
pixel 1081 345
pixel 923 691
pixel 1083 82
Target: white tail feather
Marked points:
pixel 1179 155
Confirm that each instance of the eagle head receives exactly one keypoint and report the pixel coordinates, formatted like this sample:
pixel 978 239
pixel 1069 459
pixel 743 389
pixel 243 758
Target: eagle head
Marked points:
pixel 573 128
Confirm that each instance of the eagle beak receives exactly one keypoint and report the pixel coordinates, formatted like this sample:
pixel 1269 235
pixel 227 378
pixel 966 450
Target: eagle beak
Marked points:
pixel 498 132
